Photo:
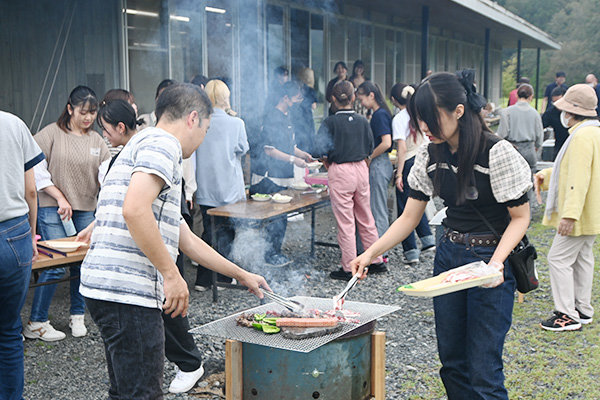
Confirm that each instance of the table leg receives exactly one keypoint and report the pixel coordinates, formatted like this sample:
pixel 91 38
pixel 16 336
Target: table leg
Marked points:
pixel 378 365
pixel 213 241
pixel 234 384
pixel 312 232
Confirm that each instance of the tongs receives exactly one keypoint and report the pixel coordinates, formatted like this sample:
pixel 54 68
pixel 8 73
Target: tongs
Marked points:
pixel 290 304
pixel 338 299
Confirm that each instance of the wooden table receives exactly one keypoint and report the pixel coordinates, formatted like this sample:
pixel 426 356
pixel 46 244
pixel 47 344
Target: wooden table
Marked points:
pixel 57 261
pixel 262 212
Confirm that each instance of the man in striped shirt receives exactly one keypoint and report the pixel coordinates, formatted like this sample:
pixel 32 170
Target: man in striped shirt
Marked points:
pixel 129 274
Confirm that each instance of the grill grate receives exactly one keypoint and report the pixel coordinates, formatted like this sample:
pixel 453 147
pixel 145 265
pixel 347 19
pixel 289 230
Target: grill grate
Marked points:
pixel 227 327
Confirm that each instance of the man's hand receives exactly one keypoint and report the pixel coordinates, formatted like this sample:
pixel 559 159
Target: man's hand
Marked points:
pixel 538 180
pixel 86 234
pixel 176 296
pixel 64 209
pixel 254 282
pixel 565 226
pixel 299 162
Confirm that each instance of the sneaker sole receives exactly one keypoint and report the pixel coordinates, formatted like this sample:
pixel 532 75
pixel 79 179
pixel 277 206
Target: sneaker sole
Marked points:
pixel 33 336
pixel 586 321
pixel 428 249
pixel 561 329
pixel 187 389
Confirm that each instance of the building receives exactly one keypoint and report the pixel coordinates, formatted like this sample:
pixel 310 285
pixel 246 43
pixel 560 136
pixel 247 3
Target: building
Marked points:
pixel 50 46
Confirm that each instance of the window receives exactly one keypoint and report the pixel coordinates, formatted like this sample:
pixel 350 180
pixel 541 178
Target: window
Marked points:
pixel 299 40
pixel 390 60
pixel 400 57
pixel 366 48
pixel 275 39
pixel 219 43
pixel 317 60
pixel 337 42
pixel 147 50
pixel 379 65
pixel 186 40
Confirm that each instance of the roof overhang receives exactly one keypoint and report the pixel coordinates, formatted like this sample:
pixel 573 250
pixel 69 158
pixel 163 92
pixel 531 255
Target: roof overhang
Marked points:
pixel 462 19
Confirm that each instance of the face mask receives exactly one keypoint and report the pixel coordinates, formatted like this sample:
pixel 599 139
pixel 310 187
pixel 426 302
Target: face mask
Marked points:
pixel 564 120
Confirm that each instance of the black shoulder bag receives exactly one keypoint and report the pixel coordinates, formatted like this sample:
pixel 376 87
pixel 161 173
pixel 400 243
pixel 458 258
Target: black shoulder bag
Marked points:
pixel 521 259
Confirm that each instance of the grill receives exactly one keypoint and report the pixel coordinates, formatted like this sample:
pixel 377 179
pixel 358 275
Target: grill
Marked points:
pixel 227 327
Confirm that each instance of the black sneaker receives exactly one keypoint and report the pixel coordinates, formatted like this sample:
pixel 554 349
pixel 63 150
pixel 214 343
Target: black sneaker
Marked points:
pixel 377 268
pixel 277 261
pixel 560 322
pixel 584 319
pixel 341 275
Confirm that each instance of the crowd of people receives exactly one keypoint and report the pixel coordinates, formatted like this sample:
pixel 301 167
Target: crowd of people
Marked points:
pixel 139 190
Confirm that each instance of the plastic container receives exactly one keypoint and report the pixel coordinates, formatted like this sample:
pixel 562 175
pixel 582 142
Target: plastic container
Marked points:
pixel 69 227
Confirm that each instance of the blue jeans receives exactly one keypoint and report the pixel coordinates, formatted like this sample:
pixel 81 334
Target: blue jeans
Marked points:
pixel 50 227
pixel 134 345
pixel 471 326
pixel 16 251
pixel 380 175
pixel 409 245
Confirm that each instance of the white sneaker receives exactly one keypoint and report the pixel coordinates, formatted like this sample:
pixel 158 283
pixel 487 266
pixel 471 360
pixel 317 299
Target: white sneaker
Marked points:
pixel 77 325
pixel 295 218
pixel 184 381
pixel 42 330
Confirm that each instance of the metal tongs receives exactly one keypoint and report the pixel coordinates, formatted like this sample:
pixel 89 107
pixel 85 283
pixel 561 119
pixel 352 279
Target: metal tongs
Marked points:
pixel 290 304
pixel 338 299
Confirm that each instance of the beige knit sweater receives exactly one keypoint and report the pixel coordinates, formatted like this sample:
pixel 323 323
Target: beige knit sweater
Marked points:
pixel 73 163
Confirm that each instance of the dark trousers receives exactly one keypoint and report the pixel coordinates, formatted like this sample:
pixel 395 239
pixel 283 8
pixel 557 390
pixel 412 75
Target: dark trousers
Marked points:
pixel 422 229
pixel 180 347
pixel 16 250
pixel 225 233
pixel 471 326
pixel 134 344
pixel 275 233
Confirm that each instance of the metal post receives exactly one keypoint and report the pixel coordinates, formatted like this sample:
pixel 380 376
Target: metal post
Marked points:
pixel 424 41
pixel 537 77
pixel 213 238
pixel 519 60
pixel 486 64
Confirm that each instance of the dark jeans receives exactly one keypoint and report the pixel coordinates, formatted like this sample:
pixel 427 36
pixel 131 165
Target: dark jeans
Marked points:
pixel 423 230
pixel 471 326
pixel 275 232
pixel 134 344
pixel 225 233
pixel 180 347
pixel 16 251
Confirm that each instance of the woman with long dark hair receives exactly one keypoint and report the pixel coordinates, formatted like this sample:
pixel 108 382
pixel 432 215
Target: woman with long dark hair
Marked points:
pixel 67 184
pixel 341 71
pixel 408 141
pixel 380 168
pixel 357 78
pixel 476 174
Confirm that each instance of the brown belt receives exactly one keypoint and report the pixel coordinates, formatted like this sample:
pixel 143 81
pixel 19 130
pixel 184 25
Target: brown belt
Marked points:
pixel 488 240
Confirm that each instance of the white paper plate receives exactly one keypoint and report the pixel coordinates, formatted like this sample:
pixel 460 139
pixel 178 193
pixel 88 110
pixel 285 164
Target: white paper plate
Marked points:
pixel 260 198
pixel 314 165
pixel 282 199
pixel 300 185
pixel 66 246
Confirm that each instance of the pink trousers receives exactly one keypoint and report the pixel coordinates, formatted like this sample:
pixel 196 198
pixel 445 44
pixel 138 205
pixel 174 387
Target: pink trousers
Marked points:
pixel 350 201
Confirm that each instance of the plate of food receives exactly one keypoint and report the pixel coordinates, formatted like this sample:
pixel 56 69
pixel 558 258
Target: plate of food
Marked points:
pixel 281 198
pixel 468 276
pixel 300 185
pixel 261 197
pixel 67 246
pixel 314 165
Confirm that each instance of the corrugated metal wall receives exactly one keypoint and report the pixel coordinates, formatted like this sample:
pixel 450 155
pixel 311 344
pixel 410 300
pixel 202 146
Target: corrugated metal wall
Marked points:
pixel 35 30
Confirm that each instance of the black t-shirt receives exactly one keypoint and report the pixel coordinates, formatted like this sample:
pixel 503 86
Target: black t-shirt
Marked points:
pixel 302 119
pixel 550 88
pixel 551 117
pixel 277 132
pixel 381 124
pixel 510 174
pixel 344 137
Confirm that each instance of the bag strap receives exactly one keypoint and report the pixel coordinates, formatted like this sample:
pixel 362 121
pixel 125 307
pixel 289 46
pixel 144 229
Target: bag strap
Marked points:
pixel 484 219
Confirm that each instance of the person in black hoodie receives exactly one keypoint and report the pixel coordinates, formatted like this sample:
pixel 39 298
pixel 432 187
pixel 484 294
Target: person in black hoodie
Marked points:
pixel 552 118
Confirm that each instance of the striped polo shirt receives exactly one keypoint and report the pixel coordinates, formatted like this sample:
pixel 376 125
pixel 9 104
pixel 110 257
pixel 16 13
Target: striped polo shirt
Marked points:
pixel 115 269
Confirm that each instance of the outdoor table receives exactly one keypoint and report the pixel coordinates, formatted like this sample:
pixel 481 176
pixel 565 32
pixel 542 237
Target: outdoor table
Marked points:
pixel 262 212
pixel 57 261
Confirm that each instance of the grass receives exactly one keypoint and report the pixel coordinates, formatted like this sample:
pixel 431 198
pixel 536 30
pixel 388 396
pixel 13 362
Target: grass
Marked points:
pixel 538 364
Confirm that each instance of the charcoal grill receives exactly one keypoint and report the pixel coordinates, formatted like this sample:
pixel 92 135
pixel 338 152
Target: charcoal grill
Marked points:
pixel 349 364
pixel 227 328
